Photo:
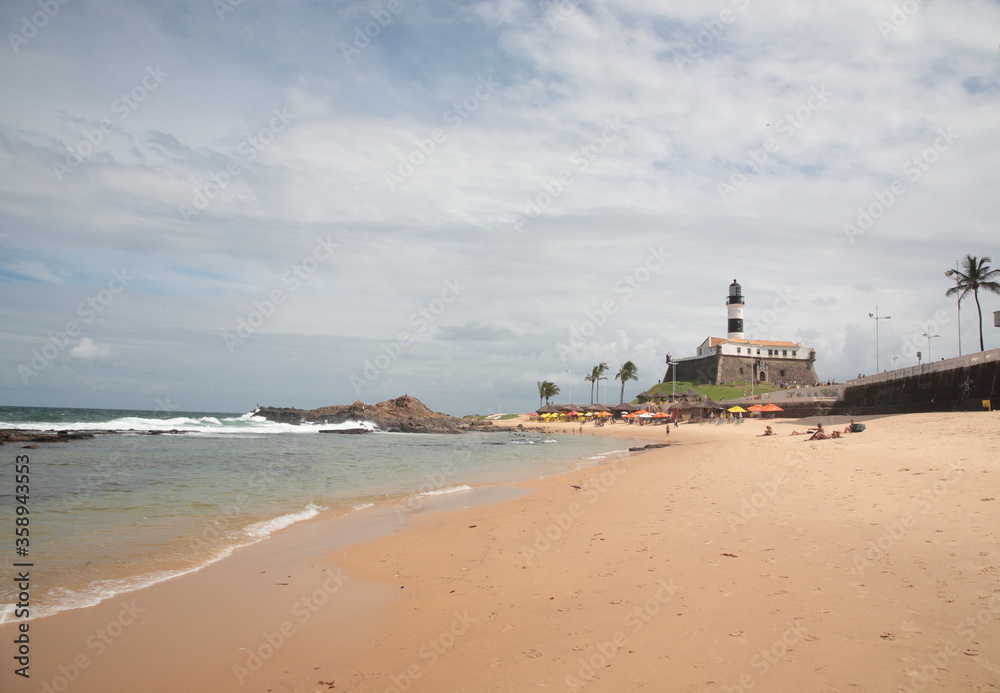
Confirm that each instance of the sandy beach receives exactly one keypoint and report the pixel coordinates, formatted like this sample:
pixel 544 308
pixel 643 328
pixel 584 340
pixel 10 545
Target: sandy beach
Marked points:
pixel 724 562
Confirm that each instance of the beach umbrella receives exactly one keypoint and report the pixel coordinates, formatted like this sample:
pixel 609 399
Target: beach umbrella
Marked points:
pixel 736 409
pixel 772 407
pixel 755 407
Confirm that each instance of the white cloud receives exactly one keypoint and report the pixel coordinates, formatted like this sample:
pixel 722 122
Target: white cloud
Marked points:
pixel 33 270
pixel 694 86
pixel 89 350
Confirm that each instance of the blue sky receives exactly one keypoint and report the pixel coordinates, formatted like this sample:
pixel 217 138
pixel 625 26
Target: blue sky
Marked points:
pixel 210 205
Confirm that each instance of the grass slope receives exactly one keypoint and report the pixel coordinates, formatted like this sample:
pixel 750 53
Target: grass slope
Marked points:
pixel 714 392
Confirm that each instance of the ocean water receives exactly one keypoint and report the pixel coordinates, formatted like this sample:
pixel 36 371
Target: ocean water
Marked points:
pixel 125 510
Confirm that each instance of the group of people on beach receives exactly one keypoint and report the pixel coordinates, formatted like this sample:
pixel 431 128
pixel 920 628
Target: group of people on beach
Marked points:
pixel 818 433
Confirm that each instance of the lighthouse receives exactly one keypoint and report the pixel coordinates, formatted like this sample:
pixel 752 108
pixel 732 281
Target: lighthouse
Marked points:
pixel 741 360
pixel 734 306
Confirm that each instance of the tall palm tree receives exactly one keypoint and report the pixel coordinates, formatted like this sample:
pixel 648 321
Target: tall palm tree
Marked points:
pixel 627 372
pixel 551 392
pixel 972 275
pixel 595 377
pixel 546 391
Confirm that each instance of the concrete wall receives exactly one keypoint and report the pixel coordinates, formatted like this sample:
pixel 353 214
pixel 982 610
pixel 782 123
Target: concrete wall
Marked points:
pixel 959 384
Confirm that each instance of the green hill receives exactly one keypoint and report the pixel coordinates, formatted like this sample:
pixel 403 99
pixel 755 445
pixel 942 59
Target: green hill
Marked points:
pixel 715 392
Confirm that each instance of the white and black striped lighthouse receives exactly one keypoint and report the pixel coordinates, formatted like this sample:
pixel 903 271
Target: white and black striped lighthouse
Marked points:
pixel 734 305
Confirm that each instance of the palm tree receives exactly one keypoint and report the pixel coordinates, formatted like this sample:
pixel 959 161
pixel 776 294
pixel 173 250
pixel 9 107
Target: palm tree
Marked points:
pixel 972 275
pixel 595 377
pixel 627 372
pixel 546 390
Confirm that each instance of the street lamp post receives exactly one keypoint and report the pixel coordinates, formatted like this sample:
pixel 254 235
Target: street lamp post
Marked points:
pixel 875 316
pixel 929 338
pixel 673 372
pixel 570 386
pixel 959 326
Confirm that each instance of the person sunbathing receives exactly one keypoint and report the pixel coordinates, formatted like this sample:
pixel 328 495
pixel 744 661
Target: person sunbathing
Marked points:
pixel 819 433
pixel 767 432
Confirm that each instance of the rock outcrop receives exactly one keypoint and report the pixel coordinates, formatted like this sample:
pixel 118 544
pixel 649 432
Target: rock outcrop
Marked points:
pixel 403 414
pixel 10 435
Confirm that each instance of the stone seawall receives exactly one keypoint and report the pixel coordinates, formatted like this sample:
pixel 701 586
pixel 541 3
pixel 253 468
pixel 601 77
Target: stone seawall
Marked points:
pixel 959 384
pixel 724 368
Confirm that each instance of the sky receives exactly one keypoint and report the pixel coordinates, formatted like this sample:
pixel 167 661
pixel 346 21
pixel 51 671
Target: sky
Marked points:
pixel 211 205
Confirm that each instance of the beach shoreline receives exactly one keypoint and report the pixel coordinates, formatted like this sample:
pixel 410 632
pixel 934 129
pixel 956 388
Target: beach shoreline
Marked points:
pixel 123 512
pixel 722 562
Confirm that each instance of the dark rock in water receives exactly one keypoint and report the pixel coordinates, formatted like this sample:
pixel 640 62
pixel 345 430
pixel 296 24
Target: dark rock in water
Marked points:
pixel 22 436
pixel 347 430
pixel 403 415
pixel 650 446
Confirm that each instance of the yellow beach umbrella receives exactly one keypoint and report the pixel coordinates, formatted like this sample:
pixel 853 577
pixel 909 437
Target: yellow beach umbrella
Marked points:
pixel 736 409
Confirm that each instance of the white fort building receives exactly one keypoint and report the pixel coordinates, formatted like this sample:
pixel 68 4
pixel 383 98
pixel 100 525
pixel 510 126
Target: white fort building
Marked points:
pixel 738 359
